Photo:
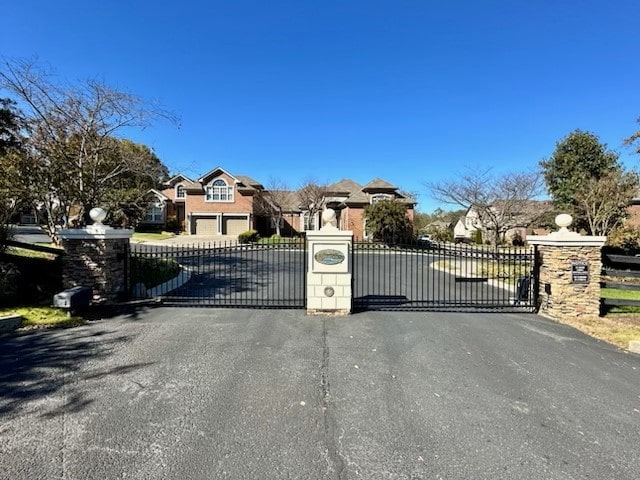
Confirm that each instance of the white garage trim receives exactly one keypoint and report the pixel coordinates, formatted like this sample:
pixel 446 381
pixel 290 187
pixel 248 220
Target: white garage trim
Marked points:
pixel 220 217
pixel 234 225
pixel 206 226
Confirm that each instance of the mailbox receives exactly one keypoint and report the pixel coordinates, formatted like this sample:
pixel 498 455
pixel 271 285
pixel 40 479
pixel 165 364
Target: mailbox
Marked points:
pixel 73 298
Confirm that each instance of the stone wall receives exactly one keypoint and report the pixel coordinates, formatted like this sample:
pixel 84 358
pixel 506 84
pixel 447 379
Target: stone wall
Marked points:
pixel 101 264
pixel 568 299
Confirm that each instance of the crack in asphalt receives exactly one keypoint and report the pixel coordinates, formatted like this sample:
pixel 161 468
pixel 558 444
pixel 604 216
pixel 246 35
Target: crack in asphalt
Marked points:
pixel 329 420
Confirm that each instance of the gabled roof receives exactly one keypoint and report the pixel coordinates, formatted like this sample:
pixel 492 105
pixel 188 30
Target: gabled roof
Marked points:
pixel 378 184
pixel 215 173
pixel 177 179
pixel 245 184
pixel 357 198
pixel 439 224
pixel 290 200
pixel 249 182
pixel 158 194
pixel 406 200
pixel 345 185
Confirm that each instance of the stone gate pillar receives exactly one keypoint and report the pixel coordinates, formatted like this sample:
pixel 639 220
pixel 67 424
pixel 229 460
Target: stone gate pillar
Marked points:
pixel 569 272
pixel 329 269
pixel 97 257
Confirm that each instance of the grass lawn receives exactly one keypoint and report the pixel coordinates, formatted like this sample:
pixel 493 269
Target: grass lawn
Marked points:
pixel 23 252
pixel 42 317
pixel 620 294
pixel 508 272
pixel 139 236
pixel 153 271
pixel 275 240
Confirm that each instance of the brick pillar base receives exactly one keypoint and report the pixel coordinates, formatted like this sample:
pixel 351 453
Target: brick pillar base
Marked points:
pixel 97 257
pixel 570 268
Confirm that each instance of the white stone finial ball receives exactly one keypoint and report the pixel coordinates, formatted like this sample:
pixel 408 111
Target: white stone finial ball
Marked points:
pixel 97 215
pixel 328 215
pixel 564 220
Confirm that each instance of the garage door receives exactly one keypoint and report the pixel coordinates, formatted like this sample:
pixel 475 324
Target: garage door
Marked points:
pixel 206 226
pixel 234 225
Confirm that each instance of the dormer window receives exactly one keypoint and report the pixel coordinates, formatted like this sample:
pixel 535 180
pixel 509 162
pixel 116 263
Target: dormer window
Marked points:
pixel 378 197
pixel 219 191
pixel 180 192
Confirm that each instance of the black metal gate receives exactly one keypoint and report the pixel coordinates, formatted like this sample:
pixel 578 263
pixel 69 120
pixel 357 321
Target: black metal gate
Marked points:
pixel 226 274
pixel 442 277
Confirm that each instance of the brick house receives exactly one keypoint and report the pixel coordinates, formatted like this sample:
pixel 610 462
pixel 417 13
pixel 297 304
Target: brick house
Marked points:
pixel 633 210
pixel 519 222
pixel 220 203
pixel 349 199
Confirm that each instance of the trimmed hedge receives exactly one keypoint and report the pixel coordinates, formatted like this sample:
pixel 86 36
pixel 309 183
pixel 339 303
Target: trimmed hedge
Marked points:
pixel 250 236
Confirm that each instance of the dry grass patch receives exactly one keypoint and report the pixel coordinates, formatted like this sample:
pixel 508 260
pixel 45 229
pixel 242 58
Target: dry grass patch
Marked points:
pixel 618 330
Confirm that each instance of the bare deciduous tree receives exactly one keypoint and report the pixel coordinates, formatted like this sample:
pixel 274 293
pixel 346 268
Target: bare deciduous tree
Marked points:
pixel 603 201
pixel 501 202
pixel 75 154
pixel 273 202
pixel 313 196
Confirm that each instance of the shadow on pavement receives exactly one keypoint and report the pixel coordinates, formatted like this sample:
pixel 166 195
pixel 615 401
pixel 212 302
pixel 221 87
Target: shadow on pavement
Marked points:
pixel 35 365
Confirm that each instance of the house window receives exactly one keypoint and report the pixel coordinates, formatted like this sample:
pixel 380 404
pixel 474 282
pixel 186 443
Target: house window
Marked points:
pixel 155 213
pixel 219 191
pixel 180 192
pixel 379 197
pixel 309 221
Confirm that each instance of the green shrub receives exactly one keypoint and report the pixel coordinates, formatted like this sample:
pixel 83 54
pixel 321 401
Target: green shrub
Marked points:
pixel 442 235
pixel 6 233
pixel 29 280
pixel 10 279
pixel 149 228
pixel 250 236
pixel 626 238
pixel 172 224
pixel 517 240
pixel 153 271
pixel 477 237
pixel 272 240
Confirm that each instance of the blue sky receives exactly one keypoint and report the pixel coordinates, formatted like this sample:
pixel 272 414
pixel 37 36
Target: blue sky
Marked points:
pixel 410 91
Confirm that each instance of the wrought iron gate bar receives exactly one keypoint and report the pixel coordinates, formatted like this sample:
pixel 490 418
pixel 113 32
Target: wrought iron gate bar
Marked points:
pixel 226 274
pixel 413 276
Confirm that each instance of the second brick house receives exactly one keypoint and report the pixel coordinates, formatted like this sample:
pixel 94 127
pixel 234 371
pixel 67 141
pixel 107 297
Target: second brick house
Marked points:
pixel 218 203
pixel 222 203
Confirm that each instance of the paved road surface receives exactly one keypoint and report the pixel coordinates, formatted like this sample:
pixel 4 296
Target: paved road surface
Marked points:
pixel 30 234
pixel 250 394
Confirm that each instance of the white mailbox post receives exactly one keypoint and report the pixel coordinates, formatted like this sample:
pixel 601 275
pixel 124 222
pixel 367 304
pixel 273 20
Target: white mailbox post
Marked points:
pixel 329 269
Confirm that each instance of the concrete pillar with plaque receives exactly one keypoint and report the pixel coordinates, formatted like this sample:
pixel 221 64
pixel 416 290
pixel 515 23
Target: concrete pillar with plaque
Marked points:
pixel 329 268
pixel 569 271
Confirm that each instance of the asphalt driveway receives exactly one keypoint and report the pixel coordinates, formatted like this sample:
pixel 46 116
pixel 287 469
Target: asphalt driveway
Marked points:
pixel 253 394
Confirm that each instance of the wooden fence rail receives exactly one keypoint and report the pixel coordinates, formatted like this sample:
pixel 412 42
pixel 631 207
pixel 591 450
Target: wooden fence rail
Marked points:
pixel 619 266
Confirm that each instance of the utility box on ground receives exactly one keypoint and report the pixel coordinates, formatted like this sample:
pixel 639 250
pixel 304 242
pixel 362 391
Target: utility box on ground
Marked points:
pixel 73 298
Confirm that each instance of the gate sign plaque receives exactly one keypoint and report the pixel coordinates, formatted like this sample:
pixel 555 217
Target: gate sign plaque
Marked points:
pixel 579 271
pixel 329 256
